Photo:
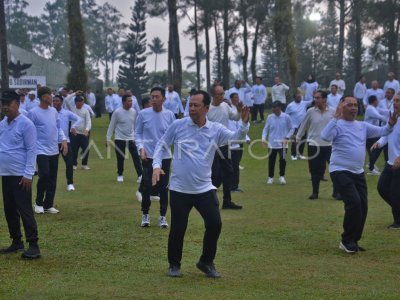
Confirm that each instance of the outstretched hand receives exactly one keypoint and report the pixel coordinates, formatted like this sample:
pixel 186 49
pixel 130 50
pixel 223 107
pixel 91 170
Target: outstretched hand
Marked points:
pixel 157 172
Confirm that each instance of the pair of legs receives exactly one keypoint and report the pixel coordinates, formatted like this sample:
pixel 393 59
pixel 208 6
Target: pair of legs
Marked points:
pixel 236 157
pixel 298 148
pixel 318 157
pixel 146 185
pixel 208 207
pixel 272 159
pixel 374 154
pixel 257 109
pixel 120 146
pixel 69 163
pixel 353 189
pixel 80 141
pixel 222 172
pixel 47 183
pixel 389 189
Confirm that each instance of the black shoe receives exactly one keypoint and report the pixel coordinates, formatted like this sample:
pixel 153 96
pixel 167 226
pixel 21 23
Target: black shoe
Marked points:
pixel 361 249
pixel 313 197
pixel 231 205
pixel 324 179
pixel 337 196
pixel 16 246
pixel 394 226
pixel 348 247
pixel 208 269
pixel 32 252
pixel 174 271
pixel 237 190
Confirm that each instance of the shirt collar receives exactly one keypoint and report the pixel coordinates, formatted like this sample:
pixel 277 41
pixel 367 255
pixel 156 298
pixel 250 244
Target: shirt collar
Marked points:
pixel 206 125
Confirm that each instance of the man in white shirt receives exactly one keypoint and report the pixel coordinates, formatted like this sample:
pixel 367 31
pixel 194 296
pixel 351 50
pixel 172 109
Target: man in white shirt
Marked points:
pixel 222 171
pixel 334 97
pixel 190 186
pixel 374 90
pixel 339 82
pixel 123 124
pixel 173 101
pixel 391 83
pixel 32 101
pixel 91 98
pixel 242 88
pixel 359 91
pixel 260 96
pixel 109 102
pixel 279 90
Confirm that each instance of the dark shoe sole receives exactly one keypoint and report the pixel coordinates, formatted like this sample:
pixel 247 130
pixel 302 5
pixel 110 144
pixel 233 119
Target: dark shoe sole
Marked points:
pixel 201 268
pixel 10 252
pixel 31 256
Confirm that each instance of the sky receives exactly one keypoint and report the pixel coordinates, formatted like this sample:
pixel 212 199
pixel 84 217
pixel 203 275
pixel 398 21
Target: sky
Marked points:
pixel 154 27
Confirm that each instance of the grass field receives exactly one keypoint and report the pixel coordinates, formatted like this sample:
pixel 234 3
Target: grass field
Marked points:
pixel 280 246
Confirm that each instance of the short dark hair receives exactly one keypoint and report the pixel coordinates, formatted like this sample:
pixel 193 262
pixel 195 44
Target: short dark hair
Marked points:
pixel 233 94
pixel 324 94
pixel 8 96
pixel 393 91
pixel 277 103
pixel 160 89
pixel 192 91
pixel 125 97
pixel 78 98
pixel 259 77
pixel 43 91
pixel 372 99
pixel 213 87
pixel 145 101
pixel 206 97
pixel 335 85
pixel 59 97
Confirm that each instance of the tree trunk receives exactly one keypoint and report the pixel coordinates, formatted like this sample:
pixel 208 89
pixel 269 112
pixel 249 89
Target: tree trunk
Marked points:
pixel 3 49
pixel 218 48
pixel 245 37
pixel 196 41
pixel 208 69
pixel 175 47
pixel 253 62
pixel 170 57
pixel 358 41
pixel 339 61
pixel 225 59
pixel 155 64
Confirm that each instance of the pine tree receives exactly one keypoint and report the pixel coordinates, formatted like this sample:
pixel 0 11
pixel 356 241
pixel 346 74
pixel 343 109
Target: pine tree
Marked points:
pixel 132 74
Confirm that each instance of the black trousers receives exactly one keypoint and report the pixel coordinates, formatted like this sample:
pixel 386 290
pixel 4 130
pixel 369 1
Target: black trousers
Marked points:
pixel 69 163
pixel 257 109
pixel 389 189
pixel 222 172
pixel 318 158
pixel 236 157
pixel 360 106
pixel 272 159
pixel 298 148
pixel 80 141
pixel 208 207
pixel 18 204
pixel 374 154
pixel 353 189
pixel 162 186
pixel 47 183
pixel 120 146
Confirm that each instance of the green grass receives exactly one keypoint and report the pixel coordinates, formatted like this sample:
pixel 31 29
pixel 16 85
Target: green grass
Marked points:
pixel 281 245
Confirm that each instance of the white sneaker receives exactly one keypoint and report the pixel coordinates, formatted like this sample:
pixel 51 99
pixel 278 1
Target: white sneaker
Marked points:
pixel 70 187
pixel 120 178
pixel 39 209
pixel 139 180
pixel 270 180
pixel 51 210
pixel 374 172
pixel 154 198
pixel 282 180
pixel 301 157
pixel 85 167
pixel 162 222
pixel 74 167
pixel 139 196
pixel 293 157
pixel 145 220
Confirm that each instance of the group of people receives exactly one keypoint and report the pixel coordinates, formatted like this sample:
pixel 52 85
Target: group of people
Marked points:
pixel 207 148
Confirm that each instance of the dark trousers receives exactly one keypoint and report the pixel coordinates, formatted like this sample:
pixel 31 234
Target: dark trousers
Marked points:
pixel 69 163
pixel 389 189
pixel 272 159
pixel 80 141
pixel 236 157
pixel 360 106
pixel 353 189
pixel 18 204
pixel 208 207
pixel 47 183
pixel 298 148
pixel 318 158
pixel 120 152
pixel 257 109
pixel 222 172
pixel 374 154
pixel 146 185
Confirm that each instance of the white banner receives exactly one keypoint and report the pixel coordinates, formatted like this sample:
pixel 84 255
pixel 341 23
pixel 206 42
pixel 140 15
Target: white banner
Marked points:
pixel 29 82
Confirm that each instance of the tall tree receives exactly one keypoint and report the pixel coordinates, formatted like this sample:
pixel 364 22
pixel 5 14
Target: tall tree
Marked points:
pixel 345 7
pixel 3 48
pixel 227 6
pixel 132 74
pixel 244 7
pixel 175 45
pixel 201 56
pixel 77 77
pixel 156 48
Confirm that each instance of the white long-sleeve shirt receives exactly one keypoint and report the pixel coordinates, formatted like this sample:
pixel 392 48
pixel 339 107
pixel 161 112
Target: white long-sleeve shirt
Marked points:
pixel 66 116
pixel 359 91
pixel 309 89
pixel 276 129
pixel 340 84
pixel 259 92
pixel 173 102
pixel 394 84
pixel 373 116
pixel 393 141
pixel 150 127
pixel 242 92
pixel 223 113
pixel 86 124
pixel 194 150
pixel 348 143
pixel 333 100
pixel 279 92
pixel 123 124
pixel 297 112
pixel 371 92
pixel 109 103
